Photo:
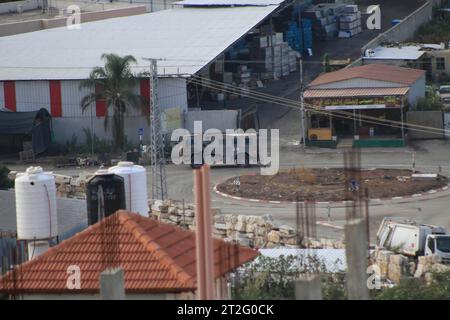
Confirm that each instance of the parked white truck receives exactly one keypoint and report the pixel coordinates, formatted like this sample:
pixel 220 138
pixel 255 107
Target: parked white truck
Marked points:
pixel 409 238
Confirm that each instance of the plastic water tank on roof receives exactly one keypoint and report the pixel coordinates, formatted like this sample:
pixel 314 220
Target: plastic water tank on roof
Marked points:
pixel 36 205
pixel 135 180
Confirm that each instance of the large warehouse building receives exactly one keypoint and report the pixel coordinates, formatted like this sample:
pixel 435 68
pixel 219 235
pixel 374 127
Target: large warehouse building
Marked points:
pixel 184 40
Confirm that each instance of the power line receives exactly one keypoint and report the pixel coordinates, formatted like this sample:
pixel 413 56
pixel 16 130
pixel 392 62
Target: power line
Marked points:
pixel 295 104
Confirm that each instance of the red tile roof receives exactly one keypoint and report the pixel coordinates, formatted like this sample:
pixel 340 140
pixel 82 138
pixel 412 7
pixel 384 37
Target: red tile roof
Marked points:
pixel 355 92
pixel 156 258
pixel 375 71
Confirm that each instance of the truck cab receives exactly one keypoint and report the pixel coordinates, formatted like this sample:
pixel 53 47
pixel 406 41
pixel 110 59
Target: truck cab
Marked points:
pixel 438 245
pixel 410 238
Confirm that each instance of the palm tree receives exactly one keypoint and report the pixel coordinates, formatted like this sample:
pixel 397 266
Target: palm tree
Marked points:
pixel 116 83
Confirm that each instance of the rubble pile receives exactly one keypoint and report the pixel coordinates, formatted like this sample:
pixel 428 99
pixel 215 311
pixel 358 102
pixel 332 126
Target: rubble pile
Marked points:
pixel 252 231
pixel 393 267
pixel 72 187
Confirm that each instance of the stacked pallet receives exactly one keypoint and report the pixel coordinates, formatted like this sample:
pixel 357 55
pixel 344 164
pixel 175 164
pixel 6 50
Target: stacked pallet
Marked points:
pixel 324 19
pixel 277 58
pixel 350 22
pixel 307 34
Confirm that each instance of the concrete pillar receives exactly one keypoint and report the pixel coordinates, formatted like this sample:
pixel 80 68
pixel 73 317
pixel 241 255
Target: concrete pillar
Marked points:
pixel 308 287
pixel 356 254
pixel 112 284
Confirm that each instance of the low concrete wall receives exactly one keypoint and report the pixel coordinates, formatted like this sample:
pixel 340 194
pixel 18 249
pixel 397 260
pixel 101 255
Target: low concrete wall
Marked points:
pixel 36 25
pixel 9 29
pixel 91 6
pixel 9 7
pixel 406 29
pixel 431 119
pixel 212 119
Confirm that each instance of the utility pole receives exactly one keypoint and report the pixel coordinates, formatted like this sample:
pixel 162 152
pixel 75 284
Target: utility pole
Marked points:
pixel 158 162
pixel 203 235
pixel 302 107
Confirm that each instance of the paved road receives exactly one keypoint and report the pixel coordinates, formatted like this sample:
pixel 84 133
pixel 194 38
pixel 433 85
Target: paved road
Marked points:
pixel 429 155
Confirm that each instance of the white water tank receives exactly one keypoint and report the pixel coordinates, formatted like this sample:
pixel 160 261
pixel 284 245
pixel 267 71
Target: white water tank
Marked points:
pixel 135 181
pixel 36 205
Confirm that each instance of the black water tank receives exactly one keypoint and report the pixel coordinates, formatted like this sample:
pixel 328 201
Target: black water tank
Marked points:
pixel 113 189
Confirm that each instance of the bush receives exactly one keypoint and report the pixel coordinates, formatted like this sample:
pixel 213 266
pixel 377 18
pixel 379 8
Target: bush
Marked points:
pixel 415 289
pixel 5 182
pixel 431 102
pixel 436 31
pixel 274 278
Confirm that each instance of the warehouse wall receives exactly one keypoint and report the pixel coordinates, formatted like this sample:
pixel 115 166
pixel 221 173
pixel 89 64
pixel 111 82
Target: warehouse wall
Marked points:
pixel 8 7
pixel 406 29
pixel 2 96
pixel 68 118
pixel 425 118
pixel 417 91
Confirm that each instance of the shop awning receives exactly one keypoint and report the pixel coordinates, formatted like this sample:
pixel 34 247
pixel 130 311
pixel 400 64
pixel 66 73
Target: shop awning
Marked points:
pixel 355 92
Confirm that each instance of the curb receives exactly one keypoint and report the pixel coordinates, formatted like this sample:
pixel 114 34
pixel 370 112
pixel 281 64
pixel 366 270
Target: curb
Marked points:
pixel 416 195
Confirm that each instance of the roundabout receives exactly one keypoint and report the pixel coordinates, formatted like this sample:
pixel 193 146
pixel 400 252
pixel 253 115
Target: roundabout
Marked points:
pixel 326 186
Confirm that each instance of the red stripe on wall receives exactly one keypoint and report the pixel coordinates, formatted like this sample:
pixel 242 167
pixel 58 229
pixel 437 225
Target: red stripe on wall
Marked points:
pixel 9 90
pixel 100 105
pixel 145 92
pixel 55 98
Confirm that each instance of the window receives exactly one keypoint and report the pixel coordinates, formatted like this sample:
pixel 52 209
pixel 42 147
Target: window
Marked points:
pixel 430 244
pixel 443 244
pixel 440 63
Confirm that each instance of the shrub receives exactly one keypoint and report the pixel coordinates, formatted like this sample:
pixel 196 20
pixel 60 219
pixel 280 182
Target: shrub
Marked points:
pixel 415 289
pixel 5 182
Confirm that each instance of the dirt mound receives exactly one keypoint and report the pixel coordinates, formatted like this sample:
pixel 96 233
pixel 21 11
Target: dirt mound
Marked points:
pixel 326 185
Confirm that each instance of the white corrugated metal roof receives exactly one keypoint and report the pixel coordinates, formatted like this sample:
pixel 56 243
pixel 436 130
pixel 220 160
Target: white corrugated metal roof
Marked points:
pixel 396 53
pixel 333 259
pixel 187 38
pixel 229 2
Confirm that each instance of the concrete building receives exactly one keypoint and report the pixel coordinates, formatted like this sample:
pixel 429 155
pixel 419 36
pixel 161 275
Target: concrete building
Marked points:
pixel 158 260
pixel 348 103
pixel 433 58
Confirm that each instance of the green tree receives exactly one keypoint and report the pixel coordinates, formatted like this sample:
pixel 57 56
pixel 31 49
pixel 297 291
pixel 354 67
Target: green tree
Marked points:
pixel 116 84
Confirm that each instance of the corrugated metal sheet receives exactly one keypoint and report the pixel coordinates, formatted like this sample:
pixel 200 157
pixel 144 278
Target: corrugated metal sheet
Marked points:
pixel 32 95
pixel 333 259
pixel 396 53
pixel 9 90
pixel 55 98
pixel 355 92
pixel 186 39
pixel 2 96
pixel 71 96
pixel 172 93
pixel 381 72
